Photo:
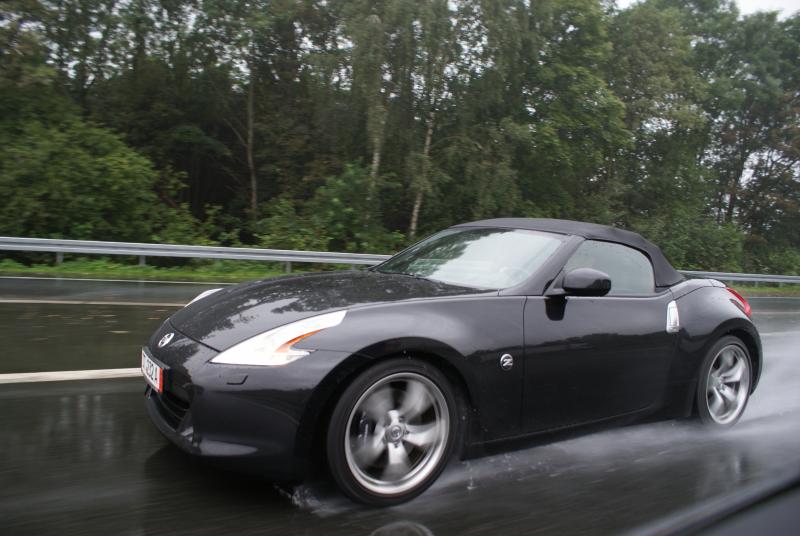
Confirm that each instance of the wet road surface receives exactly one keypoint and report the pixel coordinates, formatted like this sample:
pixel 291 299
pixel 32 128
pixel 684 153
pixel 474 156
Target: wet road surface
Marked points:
pixel 81 457
pixel 89 290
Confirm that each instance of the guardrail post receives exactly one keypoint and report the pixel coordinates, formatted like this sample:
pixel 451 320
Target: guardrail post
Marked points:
pixel 59 257
pixel 142 260
pixel 288 266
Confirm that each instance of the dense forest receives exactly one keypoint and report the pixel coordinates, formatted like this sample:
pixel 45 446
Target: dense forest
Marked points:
pixel 361 125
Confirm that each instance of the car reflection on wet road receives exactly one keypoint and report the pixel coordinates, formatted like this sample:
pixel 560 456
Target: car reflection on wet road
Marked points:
pixel 81 457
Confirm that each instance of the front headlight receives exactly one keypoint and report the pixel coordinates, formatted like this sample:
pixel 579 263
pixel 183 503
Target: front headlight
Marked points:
pixel 276 346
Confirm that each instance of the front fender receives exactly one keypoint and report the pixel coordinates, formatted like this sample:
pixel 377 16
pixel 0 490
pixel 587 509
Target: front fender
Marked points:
pixel 464 336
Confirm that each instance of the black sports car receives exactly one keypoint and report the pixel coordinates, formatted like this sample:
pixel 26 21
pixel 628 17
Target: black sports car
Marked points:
pixel 484 333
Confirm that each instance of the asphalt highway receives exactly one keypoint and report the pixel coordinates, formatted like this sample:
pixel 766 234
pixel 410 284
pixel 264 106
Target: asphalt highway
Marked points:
pixel 80 457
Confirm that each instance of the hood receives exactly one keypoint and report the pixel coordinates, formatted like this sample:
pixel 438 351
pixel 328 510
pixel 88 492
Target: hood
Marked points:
pixel 237 313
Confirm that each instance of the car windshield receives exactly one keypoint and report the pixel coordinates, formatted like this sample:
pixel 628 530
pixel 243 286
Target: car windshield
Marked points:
pixel 476 257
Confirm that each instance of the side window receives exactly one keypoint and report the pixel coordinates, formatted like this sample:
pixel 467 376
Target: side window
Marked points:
pixel 629 269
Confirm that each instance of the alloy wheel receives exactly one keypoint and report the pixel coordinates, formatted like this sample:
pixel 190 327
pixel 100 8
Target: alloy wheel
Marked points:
pixel 728 384
pixel 397 433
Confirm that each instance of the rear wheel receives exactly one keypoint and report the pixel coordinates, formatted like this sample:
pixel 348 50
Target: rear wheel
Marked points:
pixel 392 432
pixel 723 386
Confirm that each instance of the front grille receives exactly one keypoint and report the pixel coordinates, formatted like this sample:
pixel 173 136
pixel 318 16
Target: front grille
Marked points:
pixel 172 408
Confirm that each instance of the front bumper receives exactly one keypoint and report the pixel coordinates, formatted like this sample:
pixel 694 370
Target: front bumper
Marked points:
pixel 266 445
pixel 246 418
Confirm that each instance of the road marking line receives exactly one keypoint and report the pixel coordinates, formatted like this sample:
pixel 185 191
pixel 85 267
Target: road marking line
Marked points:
pixel 93 302
pixel 69 375
pixel 777 333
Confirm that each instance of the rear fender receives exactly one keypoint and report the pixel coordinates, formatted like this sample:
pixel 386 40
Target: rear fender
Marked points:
pixel 708 314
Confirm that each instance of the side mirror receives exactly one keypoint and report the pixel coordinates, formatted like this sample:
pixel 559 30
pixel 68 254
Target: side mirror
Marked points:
pixel 586 282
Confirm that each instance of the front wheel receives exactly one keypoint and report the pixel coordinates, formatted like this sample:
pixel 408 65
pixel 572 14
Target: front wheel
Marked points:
pixel 392 432
pixel 723 386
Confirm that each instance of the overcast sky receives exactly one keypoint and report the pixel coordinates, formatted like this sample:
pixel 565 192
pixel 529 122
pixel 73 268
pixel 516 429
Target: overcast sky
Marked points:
pixel 786 7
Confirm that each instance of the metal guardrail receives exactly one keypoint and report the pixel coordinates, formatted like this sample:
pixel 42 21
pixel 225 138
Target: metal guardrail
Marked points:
pixel 92 247
pixel 750 278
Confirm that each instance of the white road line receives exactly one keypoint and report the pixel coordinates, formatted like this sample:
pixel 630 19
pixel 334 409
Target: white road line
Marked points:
pixel 69 375
pixel 116 280
pixel 777 334
pixel 94 302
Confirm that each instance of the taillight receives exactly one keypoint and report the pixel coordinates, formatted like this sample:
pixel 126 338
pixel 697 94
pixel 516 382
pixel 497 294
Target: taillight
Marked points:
pixel 741 303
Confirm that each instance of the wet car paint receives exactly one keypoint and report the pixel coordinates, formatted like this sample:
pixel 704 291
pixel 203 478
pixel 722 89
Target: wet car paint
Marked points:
pixel 583 360
pixel 237 313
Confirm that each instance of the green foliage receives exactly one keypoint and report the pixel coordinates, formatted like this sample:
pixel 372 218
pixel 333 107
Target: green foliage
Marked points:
pixel 694 242
pixel 66 178
pixel 346 216
pixel 786 262
pixel 228 271
pixel 349 125
pixel 178 226
pixel 284 228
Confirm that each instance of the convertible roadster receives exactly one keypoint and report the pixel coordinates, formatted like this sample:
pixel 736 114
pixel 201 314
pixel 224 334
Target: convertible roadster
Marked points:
pixel 482 335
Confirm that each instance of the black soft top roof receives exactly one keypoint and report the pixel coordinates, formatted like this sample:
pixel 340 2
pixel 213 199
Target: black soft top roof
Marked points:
pixel 665 274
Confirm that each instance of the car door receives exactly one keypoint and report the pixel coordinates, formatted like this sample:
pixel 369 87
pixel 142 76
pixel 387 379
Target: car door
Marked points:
pixel 592 358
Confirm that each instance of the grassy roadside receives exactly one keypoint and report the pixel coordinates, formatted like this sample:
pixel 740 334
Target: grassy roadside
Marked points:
pixel 750 291
pixel 213 271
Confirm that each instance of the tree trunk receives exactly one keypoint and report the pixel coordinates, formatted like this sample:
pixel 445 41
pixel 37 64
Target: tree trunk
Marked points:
pixel 139 37
pixel 375 167
pixel 376 132
pixel 732 198
pixel 426 151
pixel 733 192
pixel 251 168
pixel 412 228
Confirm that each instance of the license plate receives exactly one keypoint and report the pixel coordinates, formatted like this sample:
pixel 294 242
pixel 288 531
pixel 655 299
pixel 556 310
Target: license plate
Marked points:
pixel 153 374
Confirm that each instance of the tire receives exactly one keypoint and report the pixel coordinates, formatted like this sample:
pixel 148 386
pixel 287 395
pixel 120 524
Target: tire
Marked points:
pixel 393 431
pixel 723 384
